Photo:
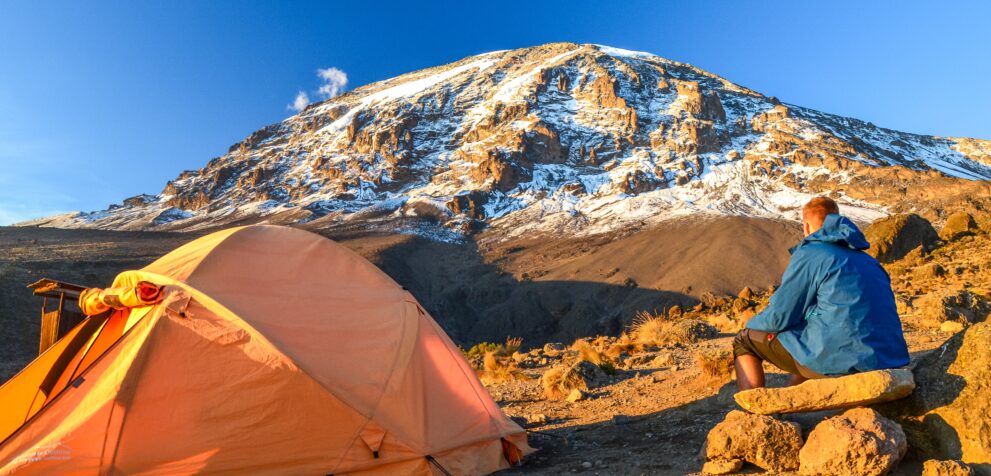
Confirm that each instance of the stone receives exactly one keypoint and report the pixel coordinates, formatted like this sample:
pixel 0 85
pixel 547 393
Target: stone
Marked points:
pixel 894 237
pixel 746 293
pixel 576 395
pixel 957 226
pixel 951 327
pixel 553 348
pixel 757 439
pixel 722 466
pixel 859 442
pixel 935 467
pixel 829 393
pixel 948 417
pixel 537 419
pixel 621 420
pixel 663 359
pixel 928 271
pixel 687 331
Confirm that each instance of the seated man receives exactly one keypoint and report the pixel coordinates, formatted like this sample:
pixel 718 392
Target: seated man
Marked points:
pixel 834 313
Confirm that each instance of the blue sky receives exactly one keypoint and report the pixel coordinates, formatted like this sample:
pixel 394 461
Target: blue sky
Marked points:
pixel 100 101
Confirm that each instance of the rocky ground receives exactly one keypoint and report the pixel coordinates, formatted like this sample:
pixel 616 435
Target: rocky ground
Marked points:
pixel 651 417
pixel 651 391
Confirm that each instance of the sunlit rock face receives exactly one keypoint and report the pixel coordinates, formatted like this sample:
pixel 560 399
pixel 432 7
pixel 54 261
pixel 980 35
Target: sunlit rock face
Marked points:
pixel 557 138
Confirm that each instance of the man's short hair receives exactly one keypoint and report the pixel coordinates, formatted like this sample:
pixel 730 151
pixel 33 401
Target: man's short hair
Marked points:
pixel 816 210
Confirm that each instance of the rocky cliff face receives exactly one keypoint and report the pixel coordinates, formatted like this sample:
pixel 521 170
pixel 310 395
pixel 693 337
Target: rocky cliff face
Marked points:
pixel 556 138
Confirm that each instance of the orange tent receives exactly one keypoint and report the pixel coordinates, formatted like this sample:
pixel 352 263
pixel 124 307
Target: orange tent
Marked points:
pixel 272 351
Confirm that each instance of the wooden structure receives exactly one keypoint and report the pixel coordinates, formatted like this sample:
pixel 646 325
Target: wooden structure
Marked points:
pixel 59 311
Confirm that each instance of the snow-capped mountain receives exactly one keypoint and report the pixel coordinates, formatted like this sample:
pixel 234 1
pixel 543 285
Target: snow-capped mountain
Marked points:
pixel 561 137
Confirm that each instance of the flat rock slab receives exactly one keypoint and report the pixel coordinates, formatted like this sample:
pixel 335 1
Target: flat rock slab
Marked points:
pixel 830 393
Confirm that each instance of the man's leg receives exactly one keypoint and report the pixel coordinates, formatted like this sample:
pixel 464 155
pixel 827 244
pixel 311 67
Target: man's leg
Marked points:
pixel 749 364
pixel 751 348
pixel 749 372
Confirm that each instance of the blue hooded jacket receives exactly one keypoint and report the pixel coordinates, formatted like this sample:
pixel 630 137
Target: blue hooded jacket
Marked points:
pixel 835 311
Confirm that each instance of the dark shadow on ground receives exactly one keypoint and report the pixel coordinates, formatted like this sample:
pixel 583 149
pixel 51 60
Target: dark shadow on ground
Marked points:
pixel 476 301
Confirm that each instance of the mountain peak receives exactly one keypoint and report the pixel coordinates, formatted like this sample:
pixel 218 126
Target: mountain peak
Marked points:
pixel 554 138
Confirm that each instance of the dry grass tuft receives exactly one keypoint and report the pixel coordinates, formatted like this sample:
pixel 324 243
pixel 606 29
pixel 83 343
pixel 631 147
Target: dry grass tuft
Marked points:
pixel 716 364
pixel 625 343
pixel 560 380
pixel 590 354
pixel 648 329
pixel 495 370
pixel 655 330
pixel 512 345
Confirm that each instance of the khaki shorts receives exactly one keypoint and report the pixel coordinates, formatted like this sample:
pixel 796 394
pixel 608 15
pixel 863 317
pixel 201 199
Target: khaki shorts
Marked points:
pixel 765 346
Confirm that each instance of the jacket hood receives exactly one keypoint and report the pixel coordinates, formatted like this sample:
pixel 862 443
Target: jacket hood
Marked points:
pixel 840 230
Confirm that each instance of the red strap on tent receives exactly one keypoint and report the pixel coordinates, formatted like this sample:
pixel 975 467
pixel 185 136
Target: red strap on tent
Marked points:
pixel 148 292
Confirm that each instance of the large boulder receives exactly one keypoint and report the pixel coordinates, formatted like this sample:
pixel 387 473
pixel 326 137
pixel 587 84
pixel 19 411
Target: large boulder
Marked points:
pixel 893 237
pixel 860 442
pixel 948 417
pixel 829 393
pixel 757 439
pixel 958 225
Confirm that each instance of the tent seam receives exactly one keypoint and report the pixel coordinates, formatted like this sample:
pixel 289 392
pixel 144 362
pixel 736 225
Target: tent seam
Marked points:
pixel 388 382
pixel 143 353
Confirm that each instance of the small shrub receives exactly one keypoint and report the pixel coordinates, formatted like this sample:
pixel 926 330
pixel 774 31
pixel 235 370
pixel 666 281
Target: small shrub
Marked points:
pixel 588 353
pixel 560 380
pixel 481 348
pixel 648 329
pixel 655 330
pixel 497 371
pixel 625 343
pixel 512 345
pixel 507 349
pixel 716 364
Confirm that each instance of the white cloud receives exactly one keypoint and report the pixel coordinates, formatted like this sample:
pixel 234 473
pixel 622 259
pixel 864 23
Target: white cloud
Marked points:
pixel 334 82
pixel 301 101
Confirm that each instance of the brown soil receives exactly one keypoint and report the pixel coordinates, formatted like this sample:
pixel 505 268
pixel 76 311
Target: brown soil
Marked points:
pixel 648 418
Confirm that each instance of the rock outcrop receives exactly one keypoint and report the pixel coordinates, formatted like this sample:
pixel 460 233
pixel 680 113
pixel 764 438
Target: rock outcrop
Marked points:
pixel 948 417
pixel 894 237
pixel 958 225
pixel 757 439
pixel 829 393
pixel 860 442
